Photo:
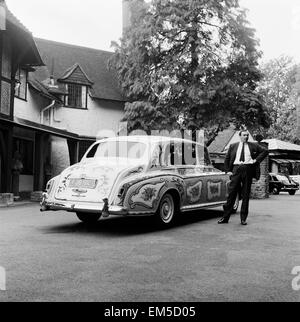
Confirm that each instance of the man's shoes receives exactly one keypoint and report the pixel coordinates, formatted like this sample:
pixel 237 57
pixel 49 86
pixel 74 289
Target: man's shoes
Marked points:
pixel 223 221
pixel 244 223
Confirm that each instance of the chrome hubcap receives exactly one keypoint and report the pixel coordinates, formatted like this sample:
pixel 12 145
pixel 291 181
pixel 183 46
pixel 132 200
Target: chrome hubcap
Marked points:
pixel 167 209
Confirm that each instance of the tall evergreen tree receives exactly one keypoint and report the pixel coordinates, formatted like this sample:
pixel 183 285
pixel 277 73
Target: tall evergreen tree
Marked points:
pixel 189 64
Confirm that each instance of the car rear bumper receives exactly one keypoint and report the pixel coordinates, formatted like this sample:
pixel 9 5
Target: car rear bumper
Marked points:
pixel 100 207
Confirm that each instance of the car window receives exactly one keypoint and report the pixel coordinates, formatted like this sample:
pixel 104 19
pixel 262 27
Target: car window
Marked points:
pixel 184 154
pixel 156 159
pixel 282 178
pixel 118 149
pixel 172 154
pixel 196 154
pixel 203 155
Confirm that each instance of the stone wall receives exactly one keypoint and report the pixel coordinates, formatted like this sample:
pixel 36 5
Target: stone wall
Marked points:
pixel 260 189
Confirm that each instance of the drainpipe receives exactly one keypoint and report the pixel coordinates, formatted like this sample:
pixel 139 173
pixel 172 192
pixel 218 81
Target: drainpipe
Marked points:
pixel 54 116
pixel 45 109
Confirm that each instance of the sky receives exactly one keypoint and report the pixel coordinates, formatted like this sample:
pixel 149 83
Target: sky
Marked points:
pixel 95 23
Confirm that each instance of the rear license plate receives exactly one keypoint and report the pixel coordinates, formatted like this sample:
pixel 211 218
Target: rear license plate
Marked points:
pixel 83 183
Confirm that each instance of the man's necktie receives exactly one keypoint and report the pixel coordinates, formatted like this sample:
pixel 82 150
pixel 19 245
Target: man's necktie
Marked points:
pixel 242 158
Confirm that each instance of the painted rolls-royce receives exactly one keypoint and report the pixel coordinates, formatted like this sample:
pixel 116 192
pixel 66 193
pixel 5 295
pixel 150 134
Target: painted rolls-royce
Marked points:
pixel 138 175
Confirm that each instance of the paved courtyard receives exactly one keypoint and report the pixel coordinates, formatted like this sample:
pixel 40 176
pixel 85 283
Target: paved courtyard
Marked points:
pixel 54 257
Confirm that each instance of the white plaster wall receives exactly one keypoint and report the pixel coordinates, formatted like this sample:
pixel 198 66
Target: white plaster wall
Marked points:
pixel 100 115
pixel 30 109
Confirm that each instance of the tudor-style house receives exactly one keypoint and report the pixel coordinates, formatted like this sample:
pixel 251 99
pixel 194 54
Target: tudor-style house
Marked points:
pixel 70 102
pixel 56 100
pixel 18 54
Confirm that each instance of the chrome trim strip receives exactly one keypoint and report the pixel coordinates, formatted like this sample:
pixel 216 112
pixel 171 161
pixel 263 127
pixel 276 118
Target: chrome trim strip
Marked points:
pixel 203 205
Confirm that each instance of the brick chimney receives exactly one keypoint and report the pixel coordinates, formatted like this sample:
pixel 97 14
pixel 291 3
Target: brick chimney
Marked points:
pixel 126 14
pixel 2 15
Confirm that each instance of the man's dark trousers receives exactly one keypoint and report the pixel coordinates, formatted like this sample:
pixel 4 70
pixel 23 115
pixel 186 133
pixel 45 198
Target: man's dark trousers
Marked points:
pixel 242 176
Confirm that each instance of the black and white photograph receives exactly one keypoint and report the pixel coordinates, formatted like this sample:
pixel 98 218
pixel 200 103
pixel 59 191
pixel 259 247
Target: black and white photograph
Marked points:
pixel 150 154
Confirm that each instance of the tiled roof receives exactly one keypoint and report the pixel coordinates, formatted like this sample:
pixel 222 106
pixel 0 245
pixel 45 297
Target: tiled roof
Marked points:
pixel 41 88
pixel 22 38
pixel 221 141
pixel 60 58
pixel 275 144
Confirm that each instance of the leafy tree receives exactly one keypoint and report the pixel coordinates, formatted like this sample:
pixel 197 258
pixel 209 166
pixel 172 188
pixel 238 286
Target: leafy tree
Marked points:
pixel 281 89
pixel 189 64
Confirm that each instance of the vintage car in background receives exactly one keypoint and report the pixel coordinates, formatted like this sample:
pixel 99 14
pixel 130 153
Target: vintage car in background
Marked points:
pixel 138 175
pixel 282 183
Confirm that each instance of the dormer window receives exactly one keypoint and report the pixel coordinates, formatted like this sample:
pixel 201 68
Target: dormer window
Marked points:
pixel 21 84
pixel 77 96
pixel 77 85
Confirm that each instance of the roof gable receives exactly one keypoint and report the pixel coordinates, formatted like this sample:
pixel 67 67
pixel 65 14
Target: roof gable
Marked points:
pixel 75 74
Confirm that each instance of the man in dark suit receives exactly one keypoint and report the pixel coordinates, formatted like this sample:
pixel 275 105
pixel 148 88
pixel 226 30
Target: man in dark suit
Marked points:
pixel 242 163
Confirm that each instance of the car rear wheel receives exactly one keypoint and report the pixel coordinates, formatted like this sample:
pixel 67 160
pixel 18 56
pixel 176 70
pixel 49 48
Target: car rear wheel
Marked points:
pixel 292 193
pixel 88 218
pixel 166 211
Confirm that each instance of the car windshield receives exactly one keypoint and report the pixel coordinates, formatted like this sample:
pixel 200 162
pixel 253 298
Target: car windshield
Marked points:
pixel 118 149
pixel 282 178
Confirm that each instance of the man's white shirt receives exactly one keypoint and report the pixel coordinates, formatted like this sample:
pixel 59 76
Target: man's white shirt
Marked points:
pixel 248 158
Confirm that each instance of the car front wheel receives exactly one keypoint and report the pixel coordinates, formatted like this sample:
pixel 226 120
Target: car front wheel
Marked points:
pixel 88 218
pixel 292 193
pixel 166 211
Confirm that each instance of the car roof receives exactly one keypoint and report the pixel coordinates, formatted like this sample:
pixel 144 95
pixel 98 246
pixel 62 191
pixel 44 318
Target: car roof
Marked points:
pixel 147 139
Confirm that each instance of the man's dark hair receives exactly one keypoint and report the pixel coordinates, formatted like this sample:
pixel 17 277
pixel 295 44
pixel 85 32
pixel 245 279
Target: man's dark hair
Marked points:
pixel 259 137
pixel 242 131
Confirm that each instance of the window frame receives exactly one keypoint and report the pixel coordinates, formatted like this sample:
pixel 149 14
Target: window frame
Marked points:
pixel 66 100
pixel 9 80
pixel 18 91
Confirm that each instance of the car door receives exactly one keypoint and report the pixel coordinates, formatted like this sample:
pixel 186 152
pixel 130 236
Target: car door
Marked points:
pixel 204 184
